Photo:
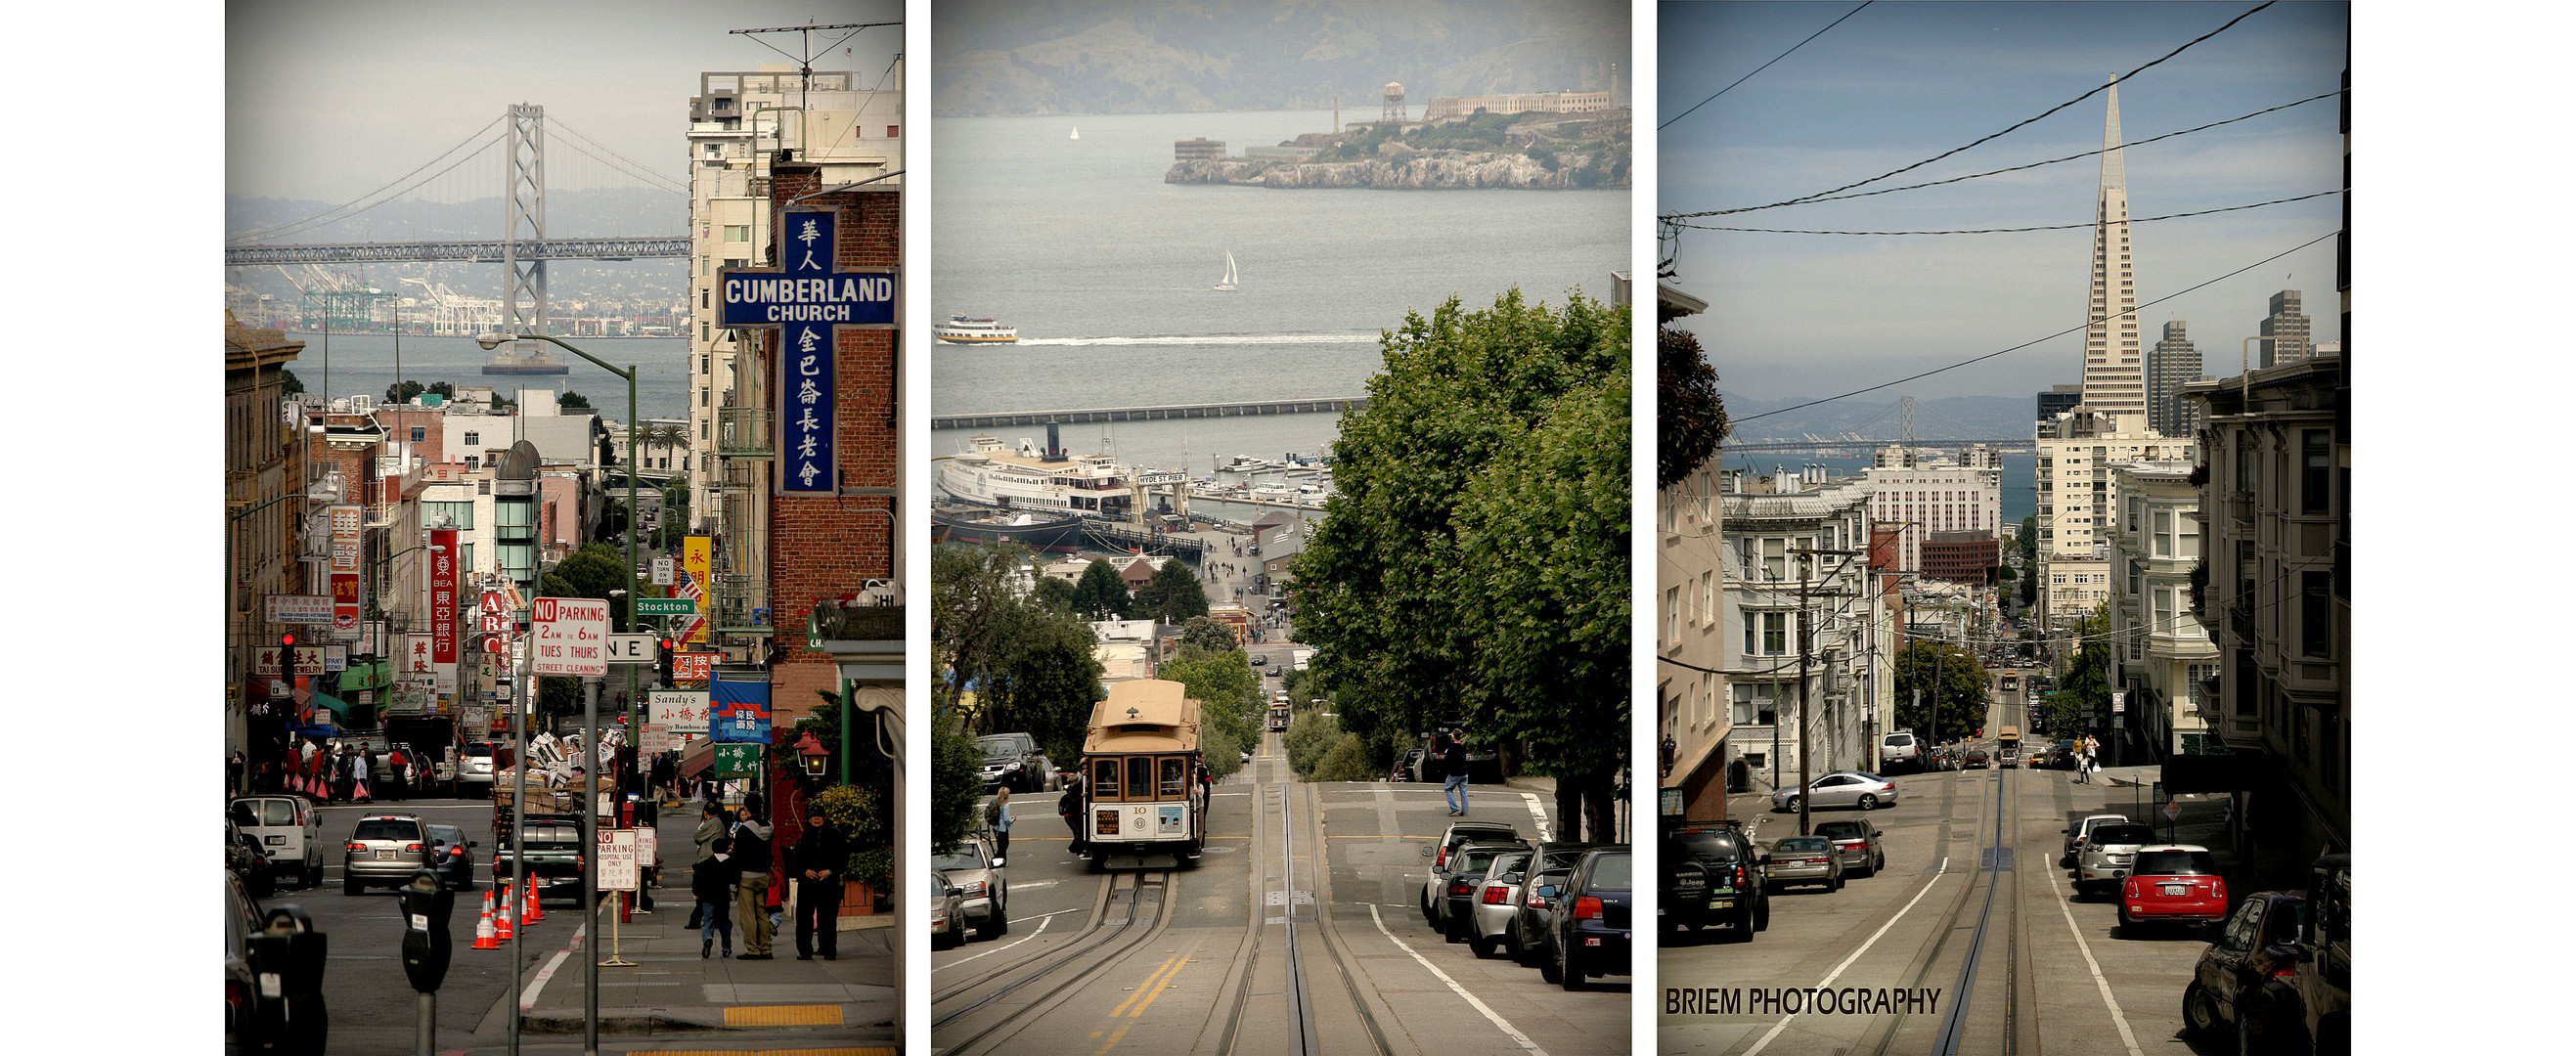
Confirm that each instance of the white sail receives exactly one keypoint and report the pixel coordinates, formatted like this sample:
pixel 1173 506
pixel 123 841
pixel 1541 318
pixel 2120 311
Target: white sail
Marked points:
pixel 1077 132
pixel 1228 284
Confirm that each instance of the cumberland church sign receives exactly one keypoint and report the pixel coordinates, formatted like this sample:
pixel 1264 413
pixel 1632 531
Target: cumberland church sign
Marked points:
pixel 806 298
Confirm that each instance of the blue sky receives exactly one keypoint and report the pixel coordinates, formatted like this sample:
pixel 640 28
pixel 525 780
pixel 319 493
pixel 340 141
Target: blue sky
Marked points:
pixel 1810 315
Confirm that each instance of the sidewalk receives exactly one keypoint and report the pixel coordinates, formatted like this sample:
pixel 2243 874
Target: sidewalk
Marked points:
pixel 669 989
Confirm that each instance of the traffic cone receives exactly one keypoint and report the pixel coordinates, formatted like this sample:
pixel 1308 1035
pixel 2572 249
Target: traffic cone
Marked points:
pixel 529 911
pixel 485 938
pixel 501 920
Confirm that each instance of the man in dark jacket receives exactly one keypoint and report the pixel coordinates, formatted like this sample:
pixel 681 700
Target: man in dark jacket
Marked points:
pixel 1069 807
pixel 816 863
pixel 712 882
pixel 751 838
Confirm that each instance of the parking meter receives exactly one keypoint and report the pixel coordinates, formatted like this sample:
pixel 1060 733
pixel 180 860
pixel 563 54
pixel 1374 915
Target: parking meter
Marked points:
pixel 426 905
pixel 286 960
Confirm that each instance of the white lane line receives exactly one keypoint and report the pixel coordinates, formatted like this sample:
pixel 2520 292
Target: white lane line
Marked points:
pixel 2117 1019
pixel 1043 916
pixel 1538 815
pixel 1499 1022
pixel 1776 1028
pixel 528 997
pixel 1042 926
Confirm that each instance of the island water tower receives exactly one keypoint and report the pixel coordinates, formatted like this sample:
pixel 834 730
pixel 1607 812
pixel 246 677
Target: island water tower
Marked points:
pixel 1394 103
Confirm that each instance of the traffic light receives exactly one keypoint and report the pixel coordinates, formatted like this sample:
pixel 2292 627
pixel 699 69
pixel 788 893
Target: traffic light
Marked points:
pixel 662 660
pixel 286 657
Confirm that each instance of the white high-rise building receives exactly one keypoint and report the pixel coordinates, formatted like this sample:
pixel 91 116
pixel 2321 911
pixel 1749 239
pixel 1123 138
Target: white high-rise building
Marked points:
pixel 2115 378
pixel 1933 497
pixel 2078 502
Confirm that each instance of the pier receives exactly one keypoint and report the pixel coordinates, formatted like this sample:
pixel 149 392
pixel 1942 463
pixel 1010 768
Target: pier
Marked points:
pixel 1109 536
pixel 1329 405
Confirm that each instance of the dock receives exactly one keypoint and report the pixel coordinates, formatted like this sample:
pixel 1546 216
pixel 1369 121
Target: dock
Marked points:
pixel 1330 405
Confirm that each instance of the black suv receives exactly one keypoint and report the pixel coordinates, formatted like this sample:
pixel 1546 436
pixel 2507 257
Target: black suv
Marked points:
pixel 1713 875
pixel 1014 759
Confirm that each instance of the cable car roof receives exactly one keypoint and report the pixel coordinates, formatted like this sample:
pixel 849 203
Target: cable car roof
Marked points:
pixel 1144 715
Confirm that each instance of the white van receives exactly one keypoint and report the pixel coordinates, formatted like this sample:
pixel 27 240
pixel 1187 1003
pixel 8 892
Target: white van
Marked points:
pixel 288 829
pixel 1899 750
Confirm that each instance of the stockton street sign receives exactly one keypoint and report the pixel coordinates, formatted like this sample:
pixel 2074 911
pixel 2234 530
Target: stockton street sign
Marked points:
pixel 806 299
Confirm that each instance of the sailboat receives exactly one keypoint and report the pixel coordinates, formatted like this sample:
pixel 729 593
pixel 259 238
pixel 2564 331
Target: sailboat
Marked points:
pixel 1228 284
pixel 1077 131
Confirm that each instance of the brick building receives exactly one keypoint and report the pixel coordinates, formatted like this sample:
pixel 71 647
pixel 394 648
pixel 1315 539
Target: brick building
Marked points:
pixel 1961 557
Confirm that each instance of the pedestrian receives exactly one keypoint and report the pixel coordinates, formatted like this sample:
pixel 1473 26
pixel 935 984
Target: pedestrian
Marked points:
pixel 396 785
pixel 1069 807
pixel 358 773
pixel 233 769
pixel 711 830
pixel 751 855
pixel 294 769
pixel 1206 782
pixel 816 862
pixel 712 883
pixel 1453 776
pixel 1001 824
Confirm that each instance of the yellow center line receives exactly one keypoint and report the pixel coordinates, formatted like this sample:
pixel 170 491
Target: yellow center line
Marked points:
pixel 1113 1042
pixel 1141 987
pixel 1157 991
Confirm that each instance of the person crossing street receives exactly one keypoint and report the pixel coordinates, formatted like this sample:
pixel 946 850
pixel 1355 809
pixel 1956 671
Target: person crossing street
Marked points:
pixel 816 863
pixel 1001 824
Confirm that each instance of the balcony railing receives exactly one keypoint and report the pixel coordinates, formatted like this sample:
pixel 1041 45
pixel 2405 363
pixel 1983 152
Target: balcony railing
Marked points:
pixel 872 623
pixel 743 432
pixel 741 605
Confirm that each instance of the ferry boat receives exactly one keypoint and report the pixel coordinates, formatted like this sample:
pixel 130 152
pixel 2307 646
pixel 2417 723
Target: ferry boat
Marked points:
pixel 989 473
pixel 536 362
pixel 961 330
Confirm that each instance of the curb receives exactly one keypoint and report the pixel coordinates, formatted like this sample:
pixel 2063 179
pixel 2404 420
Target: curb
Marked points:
pixel 664 1020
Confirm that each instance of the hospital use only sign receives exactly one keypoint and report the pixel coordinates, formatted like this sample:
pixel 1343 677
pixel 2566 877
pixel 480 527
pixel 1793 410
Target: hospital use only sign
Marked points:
pixel 806 299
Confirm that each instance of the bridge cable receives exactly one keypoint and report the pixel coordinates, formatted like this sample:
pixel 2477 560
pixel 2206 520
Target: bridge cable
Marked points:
pixel 469 139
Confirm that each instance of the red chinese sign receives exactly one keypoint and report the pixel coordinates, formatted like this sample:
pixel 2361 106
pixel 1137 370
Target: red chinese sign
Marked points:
pixel 442 596
pixel 694 667
pixel 496 626
pixel 344 600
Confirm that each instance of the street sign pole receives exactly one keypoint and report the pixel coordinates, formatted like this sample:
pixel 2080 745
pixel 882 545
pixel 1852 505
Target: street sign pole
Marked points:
pixel 590 877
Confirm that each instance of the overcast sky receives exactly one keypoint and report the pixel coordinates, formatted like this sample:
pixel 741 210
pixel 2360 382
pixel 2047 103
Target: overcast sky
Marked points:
pixel 332 100
pixel 1810 315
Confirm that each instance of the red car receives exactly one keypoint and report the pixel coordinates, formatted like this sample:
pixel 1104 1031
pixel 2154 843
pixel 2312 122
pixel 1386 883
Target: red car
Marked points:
pixel 2176 882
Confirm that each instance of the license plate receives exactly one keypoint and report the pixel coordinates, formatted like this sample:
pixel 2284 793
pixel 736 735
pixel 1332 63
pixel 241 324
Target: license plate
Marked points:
pixel 384 856
pixel 1592 942
pixel 276 840
pixel 1720 903
pixel 2176 890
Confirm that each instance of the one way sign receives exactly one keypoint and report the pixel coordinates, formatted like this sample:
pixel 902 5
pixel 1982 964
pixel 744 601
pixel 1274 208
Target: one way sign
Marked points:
pixel 631 649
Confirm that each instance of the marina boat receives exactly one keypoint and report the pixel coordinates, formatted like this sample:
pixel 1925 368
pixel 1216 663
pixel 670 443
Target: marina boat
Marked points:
pixel 1037 531
pixel 989 473
pixel 1077 132
pixel 961 330
pixel 1228 282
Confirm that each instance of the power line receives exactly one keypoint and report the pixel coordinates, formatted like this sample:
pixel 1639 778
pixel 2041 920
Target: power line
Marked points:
pixel 2016 126
pixel 1764 66
pixel 2016 168
pixel 2051 337
pixel 2011 230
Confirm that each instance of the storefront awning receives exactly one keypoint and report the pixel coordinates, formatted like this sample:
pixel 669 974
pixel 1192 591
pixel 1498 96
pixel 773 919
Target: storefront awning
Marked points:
pixel 325 700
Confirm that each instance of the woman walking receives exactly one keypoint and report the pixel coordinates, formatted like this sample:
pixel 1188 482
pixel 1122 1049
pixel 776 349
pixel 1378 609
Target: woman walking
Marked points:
pixel 1001 824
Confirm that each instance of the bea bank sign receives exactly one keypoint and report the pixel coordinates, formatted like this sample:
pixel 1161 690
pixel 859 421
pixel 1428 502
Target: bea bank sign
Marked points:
pixel 569 636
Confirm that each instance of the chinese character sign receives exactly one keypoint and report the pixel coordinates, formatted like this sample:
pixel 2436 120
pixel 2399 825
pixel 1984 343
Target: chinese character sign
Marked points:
pixel 694 667
pixel 680 709
pixel 344 538
pixel 697 558
pixel 344 601
pixel 806 300
pixel 442 596
pixel 741 711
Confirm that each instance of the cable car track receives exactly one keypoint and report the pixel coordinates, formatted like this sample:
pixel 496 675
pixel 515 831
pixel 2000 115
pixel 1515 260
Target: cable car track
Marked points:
pixel 1305 1040
pixel 1106 946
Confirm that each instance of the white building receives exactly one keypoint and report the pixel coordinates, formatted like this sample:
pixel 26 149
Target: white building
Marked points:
pixel 2161 655
pixel 1766 520
pixel 1932 497
pixel 2077 450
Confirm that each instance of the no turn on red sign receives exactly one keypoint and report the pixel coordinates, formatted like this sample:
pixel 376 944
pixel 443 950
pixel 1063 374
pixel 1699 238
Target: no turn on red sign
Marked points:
pixel 570 637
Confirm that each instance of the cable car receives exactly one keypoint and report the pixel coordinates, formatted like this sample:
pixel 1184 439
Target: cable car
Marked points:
pixel 1142 803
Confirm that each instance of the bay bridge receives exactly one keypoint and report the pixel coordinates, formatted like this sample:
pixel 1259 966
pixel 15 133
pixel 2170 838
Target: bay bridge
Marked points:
pixel 504 160
pixel 2012 445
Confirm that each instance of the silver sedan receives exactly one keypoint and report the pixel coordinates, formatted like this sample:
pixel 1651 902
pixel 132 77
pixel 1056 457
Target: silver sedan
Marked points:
pixel 1803 860
pixel 1842 788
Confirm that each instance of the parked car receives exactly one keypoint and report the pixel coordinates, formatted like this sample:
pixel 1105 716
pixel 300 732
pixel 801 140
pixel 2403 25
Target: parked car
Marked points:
pixel 1467 868
pixel 1842 788
pixel 1713 875
pixel 1260 659
pixel 2105 857
pixel 477 761
pixel 288 829
pixel 248 862
pixel 1975 759
pixel 2173 883
pixel 1591 922
pixel 1899 751
pixel 452 855
pixel 2076 834
pixel 1408 768
pixel 947 912
pixel 1490 914
pixel 1273 672
pixel 1014 759
pixel 1532 931
pixel 986 891
pixel 2254 952
pixel 557 856
pixel 2061 753
pixel 1528 919
pixel 384 849
pixel 1858 842
pixel 2322 989
pixel 1803 860
pixel 270 1006
pixel 1435 882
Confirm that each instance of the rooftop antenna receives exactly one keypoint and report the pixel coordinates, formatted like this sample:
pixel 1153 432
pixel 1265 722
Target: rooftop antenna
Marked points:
pixel 805 44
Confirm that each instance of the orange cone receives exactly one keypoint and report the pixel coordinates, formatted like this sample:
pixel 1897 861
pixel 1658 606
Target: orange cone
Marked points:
pixel 501 918
pixel 485 938
pixel 529 912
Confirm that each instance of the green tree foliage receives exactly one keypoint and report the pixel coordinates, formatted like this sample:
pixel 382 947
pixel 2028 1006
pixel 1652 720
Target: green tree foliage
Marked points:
pixel 572 399
pixel 1229 703
pixel 1947 676
pixel 1100 594
pixel 1309 736
pixel 1054 593
pixel 1173 596
pixel 1208 634
pixel 1348 761
pixel 1473 535
pixel 288 383
pixel 954 786
pixel 1690 418
pixel 590 572
pixel 2086 681
pixel 673 527
pixel 1030 667
pixel 403 393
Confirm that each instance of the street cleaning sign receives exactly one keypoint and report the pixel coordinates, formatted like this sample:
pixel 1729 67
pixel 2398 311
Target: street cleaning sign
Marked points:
pixel 571 637
pixel 806 300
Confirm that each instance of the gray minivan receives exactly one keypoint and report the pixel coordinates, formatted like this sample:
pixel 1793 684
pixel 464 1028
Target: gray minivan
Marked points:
pixel 288 829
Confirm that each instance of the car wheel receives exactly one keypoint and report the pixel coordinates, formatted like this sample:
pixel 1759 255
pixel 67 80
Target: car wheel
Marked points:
pixel 1482 946
pixel 1570 974
pixel 2250 1039
pixel 1742 931
pixel 1762 916
pixel 1550 971
pixel 1868 802
pixel 1456 931
pixel 2199 1013
pixel 1791 806
pixel 1427 916
pixel 992 926
pixel 1835 884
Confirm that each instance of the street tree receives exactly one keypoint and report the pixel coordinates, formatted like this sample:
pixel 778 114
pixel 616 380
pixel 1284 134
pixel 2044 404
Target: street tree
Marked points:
pixel 572 399
pixel 1208 634
pixel 1100 594
pixel 954 784
pixel 1400 605
pixel 1054 592
pixel 1690 417
pixel 1030 668
pixel 1173 596
pixel 1229 701
pixel 1948 678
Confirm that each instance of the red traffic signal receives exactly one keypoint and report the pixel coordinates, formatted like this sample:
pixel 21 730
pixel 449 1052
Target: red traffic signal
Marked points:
pixel 286 640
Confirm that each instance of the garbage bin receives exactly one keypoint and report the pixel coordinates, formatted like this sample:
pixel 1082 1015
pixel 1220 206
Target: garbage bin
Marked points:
pixel 1739 776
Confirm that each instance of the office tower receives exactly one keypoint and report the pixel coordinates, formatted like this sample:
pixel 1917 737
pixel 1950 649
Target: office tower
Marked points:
pixel 2285 331
pixel 2114 380
pixel 2172 364
pixel 2059 399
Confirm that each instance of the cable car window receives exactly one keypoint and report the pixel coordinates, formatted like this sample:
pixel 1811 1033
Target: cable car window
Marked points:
pixel 1140 776
pixel 1104 781
pixel 1175 776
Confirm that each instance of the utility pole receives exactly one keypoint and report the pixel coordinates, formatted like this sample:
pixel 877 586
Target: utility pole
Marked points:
pixel 1806 566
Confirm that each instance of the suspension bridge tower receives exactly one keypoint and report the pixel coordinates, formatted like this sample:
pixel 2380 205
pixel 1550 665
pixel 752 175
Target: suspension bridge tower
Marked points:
pixel 523 300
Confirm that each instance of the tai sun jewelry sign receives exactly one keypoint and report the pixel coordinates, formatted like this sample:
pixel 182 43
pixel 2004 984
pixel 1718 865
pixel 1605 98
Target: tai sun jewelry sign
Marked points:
pixel 806 299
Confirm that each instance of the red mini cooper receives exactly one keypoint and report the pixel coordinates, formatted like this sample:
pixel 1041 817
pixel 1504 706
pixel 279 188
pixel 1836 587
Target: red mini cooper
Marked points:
pixel 2175 882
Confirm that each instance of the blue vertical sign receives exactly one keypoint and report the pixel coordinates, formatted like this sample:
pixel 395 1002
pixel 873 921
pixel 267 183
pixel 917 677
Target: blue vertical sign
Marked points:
pixel 737 711
pixel 806 299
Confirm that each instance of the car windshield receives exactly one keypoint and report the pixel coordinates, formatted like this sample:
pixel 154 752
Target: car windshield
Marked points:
pixel 966 856
pixel 1708 845
pixel 551 835
pixel 479 750
pixel 2174 863
pixel 387 829
pixel 993 749
pixel 1474 861
pixel 1610 873
pixel 1808 844
pixel 1840 830
pixel 447 834
pixel 1508 865
pixel 2123 833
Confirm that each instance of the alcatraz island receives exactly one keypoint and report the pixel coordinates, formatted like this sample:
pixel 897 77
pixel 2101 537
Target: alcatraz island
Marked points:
pixel 1543 141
